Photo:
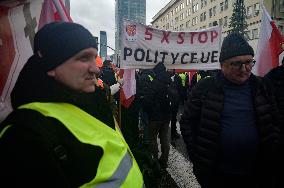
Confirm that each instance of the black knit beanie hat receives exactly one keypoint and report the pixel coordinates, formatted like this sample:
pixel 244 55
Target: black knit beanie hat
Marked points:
pixel 234 45
pixel 58 41
pixel 160 67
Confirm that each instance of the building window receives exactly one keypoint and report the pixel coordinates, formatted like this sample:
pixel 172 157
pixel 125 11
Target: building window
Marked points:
pixel 181 16
pixel 195 8
pixel 187 2
pixel 187 12
pixel 226 5
pixel 210 24
pixel 202 16
pixel 181 6
pixel 222 7
pixel 281 7
pixel 225 21
pixel 172 23
pixel 194 21
pixel 255 34
pixel 172 13
pixel 176 9
pixel 210 13
pixel 176 19
pixel 187 24
pixel 220 22
pixel 256 9
pixel 248 35
pixel 214 10
pixel 203 3
pixel 181 27
pixel 249 12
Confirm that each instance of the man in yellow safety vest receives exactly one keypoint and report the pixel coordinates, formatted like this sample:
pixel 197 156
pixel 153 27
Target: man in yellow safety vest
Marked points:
pixel 62 132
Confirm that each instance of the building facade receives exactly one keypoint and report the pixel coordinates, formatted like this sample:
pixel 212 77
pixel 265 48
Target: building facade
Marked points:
pixel 103 44
pixel 129 9
pixel 188 15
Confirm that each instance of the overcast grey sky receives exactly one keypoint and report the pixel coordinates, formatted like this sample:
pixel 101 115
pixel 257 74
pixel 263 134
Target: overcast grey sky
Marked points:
pixel 98 15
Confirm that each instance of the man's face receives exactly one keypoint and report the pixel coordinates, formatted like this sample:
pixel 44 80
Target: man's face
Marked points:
pixel 238 69
pixel 78 72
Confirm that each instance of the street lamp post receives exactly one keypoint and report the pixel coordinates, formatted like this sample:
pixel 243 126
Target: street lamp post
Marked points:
pixel 117 55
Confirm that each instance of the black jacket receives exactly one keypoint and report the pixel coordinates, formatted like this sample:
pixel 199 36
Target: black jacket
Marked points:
pixel 38 149
pixel 200 125
pixel 157 101
pixel 276 78
pixel 108 75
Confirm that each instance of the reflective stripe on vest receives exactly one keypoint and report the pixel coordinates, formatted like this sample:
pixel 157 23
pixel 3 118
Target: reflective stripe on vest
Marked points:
pixel 117 167
pixel 4 130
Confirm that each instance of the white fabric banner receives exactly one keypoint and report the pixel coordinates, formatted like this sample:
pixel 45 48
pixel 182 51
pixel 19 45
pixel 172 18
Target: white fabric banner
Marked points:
pixel 19 21
pixel 143 47
pixel 18 27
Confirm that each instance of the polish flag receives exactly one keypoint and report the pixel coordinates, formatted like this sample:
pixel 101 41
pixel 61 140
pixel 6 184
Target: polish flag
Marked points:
pixel 129 87
pixel 17 29
pixel 269 45
pixel 53 10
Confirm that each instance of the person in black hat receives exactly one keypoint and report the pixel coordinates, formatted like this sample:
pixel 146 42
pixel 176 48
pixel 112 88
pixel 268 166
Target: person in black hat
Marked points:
pixel 157 105
pixel 62 132
pixel 230 123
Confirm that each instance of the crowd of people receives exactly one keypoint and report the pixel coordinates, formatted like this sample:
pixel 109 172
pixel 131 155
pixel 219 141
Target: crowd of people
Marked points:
pixel 64 128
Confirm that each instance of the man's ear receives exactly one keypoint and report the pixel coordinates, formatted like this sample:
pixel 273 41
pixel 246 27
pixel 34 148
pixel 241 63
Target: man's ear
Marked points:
pixel 51 73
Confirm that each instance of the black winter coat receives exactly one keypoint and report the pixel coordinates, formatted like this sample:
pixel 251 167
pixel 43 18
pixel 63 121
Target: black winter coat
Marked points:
pixel 157 101
pixel 276 78
pixel 108 76
pixel 38 151
pixel 200 126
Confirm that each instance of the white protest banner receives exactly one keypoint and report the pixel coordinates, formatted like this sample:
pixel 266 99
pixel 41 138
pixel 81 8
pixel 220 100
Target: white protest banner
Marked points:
pixel 18 26
pixel 143 47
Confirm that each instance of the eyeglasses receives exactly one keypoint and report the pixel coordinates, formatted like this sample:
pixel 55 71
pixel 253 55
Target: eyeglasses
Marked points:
pixel 239 64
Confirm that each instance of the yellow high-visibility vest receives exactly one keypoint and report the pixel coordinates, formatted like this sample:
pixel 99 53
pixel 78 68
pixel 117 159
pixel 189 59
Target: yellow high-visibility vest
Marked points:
pixel 199 77
pixel 150 77
pixel 117 167
pixel 183 78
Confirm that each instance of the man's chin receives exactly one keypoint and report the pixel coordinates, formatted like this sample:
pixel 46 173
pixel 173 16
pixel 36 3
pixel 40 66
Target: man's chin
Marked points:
pixel 90 89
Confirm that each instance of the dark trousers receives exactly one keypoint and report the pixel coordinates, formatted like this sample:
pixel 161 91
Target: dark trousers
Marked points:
pixel 174 112
pixel 161 128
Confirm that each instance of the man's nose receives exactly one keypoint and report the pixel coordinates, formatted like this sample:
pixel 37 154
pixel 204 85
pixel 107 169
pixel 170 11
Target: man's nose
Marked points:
pixel 243 67
pixel 94 69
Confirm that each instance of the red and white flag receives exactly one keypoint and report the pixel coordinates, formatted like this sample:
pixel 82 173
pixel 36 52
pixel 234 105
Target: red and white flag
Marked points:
pixel 129 88
pixel 269 45
pixel 53 10
pixel 19 21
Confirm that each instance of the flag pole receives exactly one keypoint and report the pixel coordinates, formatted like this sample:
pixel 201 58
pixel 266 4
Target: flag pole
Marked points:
pixel 119 110
pixel 61 11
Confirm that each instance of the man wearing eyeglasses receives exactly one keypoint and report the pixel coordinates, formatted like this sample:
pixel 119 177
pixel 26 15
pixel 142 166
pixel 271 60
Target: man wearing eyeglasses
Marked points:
pixel 230 124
